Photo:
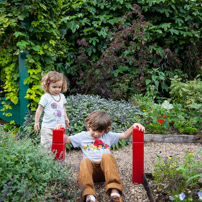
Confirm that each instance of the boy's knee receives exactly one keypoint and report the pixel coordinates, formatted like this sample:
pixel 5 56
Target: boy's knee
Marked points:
pixel 107 156
pixel 85 162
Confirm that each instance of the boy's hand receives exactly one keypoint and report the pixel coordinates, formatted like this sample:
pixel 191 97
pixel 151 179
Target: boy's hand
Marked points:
pixel 129 132
pixel 67 122
pixel 141 127
pixel 58 126
pixel 36 126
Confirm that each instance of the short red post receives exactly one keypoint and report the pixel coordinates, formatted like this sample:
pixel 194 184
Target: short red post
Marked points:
pixel 138 156
pixel 58 146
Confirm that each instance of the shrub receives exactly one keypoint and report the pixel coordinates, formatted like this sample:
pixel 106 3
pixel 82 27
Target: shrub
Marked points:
pixel 165 117
pixel 26 174
pixel 122 113
pixel 188 93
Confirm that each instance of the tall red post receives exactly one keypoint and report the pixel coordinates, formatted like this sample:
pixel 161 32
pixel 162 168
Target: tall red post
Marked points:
pixel 138 156
pixel 58 146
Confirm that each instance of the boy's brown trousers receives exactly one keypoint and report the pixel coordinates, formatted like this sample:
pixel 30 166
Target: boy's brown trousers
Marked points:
pixel 93 171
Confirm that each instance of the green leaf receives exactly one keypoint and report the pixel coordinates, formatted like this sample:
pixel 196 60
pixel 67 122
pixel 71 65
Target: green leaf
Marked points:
pixel 179 21
pixel 16 34
pixel 148 81
pixel 36 48
pixel 22 44
pixel 174 31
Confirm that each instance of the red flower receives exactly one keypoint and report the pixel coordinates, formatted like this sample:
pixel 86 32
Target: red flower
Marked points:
pixel 160 120
pixel 164 116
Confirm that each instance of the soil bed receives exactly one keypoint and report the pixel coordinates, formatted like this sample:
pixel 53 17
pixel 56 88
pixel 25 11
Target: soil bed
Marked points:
pixel 161 196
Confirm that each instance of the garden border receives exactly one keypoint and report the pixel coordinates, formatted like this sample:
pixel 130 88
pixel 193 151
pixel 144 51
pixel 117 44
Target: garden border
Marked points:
pixel 169 138
pixel 147 187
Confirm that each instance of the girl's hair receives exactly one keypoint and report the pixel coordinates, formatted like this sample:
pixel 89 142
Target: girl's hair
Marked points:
pixel 52 77
pixel 99 120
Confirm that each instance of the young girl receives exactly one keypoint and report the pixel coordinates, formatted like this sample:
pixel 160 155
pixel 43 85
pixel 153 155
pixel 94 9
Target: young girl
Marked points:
pixel 52 103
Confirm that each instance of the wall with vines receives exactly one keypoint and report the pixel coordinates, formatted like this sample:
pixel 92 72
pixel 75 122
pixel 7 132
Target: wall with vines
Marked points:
pixel 62 31
pixel 40 39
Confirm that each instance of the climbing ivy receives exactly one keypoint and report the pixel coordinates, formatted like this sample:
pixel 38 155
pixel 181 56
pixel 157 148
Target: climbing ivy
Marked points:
pixel 50 32
pixel 32 26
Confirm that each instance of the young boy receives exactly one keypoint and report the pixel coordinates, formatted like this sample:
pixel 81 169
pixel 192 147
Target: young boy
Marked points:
pixel 98 164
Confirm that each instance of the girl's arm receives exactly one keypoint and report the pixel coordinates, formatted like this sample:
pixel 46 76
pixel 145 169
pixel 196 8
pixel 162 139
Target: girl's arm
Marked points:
pixel 37 117
pixel 66 118
pixel 129 132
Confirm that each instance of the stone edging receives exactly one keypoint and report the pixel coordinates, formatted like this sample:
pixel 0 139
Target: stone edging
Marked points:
pixel 168 138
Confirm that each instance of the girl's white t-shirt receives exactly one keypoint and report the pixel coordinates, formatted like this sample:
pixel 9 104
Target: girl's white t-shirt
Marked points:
pixel 53 111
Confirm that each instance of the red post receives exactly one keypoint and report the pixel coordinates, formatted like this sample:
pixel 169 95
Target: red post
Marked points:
pixel 138 156
pixel 58 146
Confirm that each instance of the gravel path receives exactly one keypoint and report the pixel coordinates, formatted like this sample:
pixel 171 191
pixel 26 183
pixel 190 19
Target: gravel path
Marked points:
pixel 132 192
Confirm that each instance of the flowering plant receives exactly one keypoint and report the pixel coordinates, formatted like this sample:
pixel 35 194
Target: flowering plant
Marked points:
pixel 164 118
pixel 179 181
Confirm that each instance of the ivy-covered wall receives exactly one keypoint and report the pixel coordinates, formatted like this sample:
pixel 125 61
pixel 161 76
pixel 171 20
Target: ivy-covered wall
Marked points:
pixel 76 38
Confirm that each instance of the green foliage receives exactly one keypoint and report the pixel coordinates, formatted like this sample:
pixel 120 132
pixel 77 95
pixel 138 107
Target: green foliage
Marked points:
pixel 30 26
pixel 177 25
pixel 122 65
pixel 27 174
pixel 188 93
pixel 174 177
pixel 123 114
pixel 119 47
pixel 159 118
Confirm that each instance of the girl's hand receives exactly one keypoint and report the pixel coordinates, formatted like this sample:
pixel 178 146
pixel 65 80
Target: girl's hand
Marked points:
pixel 58 126
pixel 141 127
pixel 67 122
pixel 36 126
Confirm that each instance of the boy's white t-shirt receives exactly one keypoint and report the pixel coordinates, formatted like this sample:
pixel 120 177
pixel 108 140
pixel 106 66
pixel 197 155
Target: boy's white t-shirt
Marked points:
pixel 94 149
pixel 53 111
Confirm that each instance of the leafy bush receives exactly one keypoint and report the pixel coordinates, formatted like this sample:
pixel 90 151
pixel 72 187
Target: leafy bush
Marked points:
pixel 123 62
pixel 26 174
pixel 122 113
pixel 188 93
pixel 164 117
pixel 176 25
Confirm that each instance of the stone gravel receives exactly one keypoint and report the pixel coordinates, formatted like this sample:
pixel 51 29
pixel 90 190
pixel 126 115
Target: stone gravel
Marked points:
pixel 132 192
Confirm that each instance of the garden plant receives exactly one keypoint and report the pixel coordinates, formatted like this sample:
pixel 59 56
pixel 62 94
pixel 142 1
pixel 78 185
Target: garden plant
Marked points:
pixel 179 181
pixel 27 174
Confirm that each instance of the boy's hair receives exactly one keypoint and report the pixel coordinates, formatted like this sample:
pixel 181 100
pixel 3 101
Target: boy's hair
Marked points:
pixel 99 121
pixel 52 77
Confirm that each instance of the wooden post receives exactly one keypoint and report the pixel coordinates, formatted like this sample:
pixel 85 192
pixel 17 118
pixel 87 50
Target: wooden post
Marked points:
pixel 59 146
pixel 138 156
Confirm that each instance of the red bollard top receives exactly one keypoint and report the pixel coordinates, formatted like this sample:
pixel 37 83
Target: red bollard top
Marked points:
pixel 59 135
pixel 138 136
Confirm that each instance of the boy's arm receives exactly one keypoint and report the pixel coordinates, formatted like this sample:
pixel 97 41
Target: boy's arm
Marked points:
pixel 37 117
pixel 129 132
pixel 67 141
